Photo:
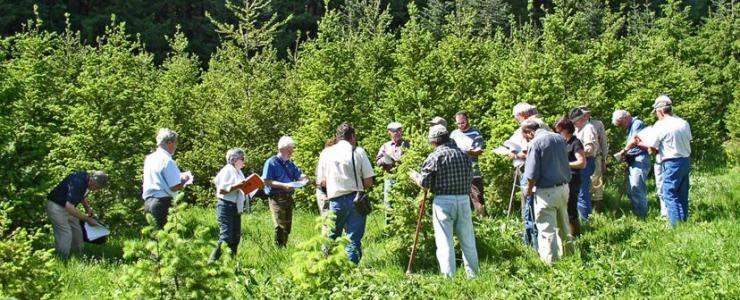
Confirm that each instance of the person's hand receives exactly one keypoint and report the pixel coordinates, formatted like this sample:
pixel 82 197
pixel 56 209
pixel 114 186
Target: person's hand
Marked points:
pixel 622 155
pixel 184 178
pixel 530 191
pixel 512 155
pixel 90 221
pixel 90 212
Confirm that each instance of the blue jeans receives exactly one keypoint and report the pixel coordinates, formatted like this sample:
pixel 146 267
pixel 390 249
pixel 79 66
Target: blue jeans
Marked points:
pixel 452 214
pixel 676 188
pixel 636 188
pixel 230 228
pixel 350 221
pixel 584 194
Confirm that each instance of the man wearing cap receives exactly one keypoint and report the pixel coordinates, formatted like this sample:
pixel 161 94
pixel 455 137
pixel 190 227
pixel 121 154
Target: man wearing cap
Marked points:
pixel 389 156
pixel 638 162
pixel 672 141
pixel 447 172
pixel 278 173
pixel 523 111
pixel 62 211
pixel 438 121
pixel 597 180
pixel 345 169
pixel 586 133
pixel 162 177
pixel 470 141
pixel 548 173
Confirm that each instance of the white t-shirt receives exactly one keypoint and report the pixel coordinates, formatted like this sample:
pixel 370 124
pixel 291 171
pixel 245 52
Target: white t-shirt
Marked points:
pixel 228 176
pixel 517 138
pixel 672 138
pixel 588 136
pixel 335 166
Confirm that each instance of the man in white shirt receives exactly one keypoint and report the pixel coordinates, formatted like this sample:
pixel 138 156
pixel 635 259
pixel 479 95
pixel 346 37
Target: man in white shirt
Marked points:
pixel 162 178
pixel 672 142
pixel 586 133
pixel 598 179
pixel 345 169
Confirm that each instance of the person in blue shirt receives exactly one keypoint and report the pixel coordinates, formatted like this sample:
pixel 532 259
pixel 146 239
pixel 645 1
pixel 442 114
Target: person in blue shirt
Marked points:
pixel 638 162
pixel 278 174
pixel 63 213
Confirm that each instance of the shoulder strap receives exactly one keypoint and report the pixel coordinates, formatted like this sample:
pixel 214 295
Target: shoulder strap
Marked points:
pixel 287 171
pixel 355 170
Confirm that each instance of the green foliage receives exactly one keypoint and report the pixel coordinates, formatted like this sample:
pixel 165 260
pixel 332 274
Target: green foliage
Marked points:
pixel 27 271
pixel 171 265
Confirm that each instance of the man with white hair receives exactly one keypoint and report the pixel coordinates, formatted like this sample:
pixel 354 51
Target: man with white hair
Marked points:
pixel 389 156
pixel 586 133
pixel 65 217
pixel 448 172
pixel 162 177
pixel 548 173
pixel 278 173
pixel 597 179
pixel 672 141
pixel 638 162
pixel 523 111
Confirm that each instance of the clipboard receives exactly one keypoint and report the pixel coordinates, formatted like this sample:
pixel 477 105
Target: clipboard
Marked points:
pixel 253 183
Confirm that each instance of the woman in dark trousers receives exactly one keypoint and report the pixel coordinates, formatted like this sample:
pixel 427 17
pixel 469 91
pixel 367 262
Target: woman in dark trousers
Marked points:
pixel 577 160
pixel 231 202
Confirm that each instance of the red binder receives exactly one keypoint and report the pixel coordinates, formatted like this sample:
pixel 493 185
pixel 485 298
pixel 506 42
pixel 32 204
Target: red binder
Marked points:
pixel 254 182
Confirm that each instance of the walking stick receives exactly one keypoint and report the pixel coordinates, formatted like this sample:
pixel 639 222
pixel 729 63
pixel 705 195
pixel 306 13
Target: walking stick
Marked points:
pixel 513 190
pixel 416 235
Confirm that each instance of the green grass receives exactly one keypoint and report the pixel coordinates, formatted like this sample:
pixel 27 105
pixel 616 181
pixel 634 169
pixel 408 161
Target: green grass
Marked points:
pixel 619 256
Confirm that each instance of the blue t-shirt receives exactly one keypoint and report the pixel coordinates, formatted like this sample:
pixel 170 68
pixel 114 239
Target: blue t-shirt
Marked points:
pixel 635 128
pixel 282 171
pixel 547 160
pixel 72 189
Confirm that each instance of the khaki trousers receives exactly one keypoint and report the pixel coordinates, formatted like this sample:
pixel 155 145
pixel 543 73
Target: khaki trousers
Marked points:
pixel 597 181
pixel 551 217
pixel 67 230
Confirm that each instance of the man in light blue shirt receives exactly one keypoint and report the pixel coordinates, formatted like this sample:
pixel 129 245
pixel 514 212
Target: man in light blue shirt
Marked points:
pixel 162 178
pixel 638 162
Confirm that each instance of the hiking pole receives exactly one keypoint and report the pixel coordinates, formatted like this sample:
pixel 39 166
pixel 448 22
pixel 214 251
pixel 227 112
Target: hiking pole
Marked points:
pixel 513 190
pixel 416 235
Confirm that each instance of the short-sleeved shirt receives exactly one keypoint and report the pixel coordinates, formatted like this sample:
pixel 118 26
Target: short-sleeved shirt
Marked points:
pixel 335 166
pixel 573 146
pixel 392 149
pixel 277 169
pixel 447 171
pixel 227 177
pixel 517 137
pixel 477 142
pixel 672 138
pixel 547 160
pixel 72 189
pixel 635 127
pixel 588 136
pixel 160 174
pixel 601 136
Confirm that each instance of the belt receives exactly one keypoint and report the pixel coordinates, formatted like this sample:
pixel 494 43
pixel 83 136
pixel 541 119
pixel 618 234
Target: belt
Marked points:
pixel 159 198
pixel 553 186
pixel 281 196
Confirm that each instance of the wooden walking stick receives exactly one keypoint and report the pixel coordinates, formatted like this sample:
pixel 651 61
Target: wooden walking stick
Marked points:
pixel 416 235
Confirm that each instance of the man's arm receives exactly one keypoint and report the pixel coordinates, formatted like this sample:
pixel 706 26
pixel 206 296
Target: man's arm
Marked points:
pixel 88 209
pixel 72 210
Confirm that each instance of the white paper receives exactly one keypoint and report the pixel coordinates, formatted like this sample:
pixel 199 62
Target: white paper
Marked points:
pixel 415 176
pixel 96 232
pixel 513 147
pixel 387 159
pixel 517 162
pixel 463 142
pixel 501 150
pixel 190 180
pixel 251 195
pixel 298 184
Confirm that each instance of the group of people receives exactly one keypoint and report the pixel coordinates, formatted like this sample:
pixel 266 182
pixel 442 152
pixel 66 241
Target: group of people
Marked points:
pixel 561 171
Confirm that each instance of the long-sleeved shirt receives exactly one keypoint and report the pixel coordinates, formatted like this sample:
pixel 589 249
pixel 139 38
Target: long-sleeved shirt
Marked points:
pixel 392 149
pixel 447 171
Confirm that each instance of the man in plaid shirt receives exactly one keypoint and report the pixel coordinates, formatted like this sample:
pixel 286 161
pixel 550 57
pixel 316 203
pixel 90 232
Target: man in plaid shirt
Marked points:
pixel 448 173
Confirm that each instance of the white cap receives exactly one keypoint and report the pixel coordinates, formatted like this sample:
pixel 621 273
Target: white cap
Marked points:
pixel 662 101
pixel 437 131
pixel 285 142
pixel 394 126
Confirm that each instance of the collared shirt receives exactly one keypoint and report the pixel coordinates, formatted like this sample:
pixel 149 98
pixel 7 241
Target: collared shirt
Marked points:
pixel 335 166
pixel 635 127
pixel 160 174
pixel 547 160
pixel 447 171
pixel 518 138
pixel 392 149
pixel 601 136
pixel 227 177
pixel 588 136
pixel 672 138
pixel 72 189
pixel 477 142
pixel 277 169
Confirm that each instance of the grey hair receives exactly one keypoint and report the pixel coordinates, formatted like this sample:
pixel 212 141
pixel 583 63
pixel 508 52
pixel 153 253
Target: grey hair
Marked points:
pixel 100 178
pixel 233 155
pixel 524 108
pixel 530 125
pixel 166 135
pixel 618 115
